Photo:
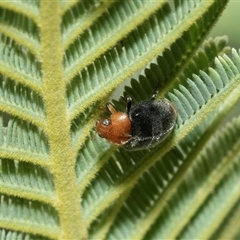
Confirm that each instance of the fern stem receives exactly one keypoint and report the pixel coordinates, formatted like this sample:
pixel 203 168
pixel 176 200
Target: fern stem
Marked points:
pixel 58 124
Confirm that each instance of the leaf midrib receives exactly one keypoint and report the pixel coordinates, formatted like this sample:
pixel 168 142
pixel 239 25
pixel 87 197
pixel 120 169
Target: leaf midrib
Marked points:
pixel 58 124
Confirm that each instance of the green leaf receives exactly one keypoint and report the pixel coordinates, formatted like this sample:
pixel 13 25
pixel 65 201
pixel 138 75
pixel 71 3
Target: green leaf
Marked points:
pixel 59 63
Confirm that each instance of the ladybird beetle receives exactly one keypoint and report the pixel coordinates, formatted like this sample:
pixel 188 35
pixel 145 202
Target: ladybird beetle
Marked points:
pixel 142 126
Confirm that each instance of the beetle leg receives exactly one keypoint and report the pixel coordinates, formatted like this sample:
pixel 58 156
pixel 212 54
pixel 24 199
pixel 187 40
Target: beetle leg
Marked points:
pixel 128 101
pixel 154 95
pixel 129 104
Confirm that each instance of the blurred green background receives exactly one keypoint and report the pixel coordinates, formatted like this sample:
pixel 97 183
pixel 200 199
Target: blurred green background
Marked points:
pixel 228 24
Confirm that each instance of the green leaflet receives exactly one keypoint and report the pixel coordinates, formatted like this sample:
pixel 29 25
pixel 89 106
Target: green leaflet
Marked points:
pixel 194 200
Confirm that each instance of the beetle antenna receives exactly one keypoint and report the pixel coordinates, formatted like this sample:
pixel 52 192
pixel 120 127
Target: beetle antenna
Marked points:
pixel 111 108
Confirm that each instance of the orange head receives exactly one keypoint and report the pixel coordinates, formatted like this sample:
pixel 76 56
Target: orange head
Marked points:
pixel 117 129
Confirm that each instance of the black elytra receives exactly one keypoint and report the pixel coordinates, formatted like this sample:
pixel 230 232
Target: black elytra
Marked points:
pixel 152 121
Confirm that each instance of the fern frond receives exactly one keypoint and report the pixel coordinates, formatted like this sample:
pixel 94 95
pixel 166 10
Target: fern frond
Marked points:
pixel 78 18
pixel 18 100
pixel 29 9
pixel 219 169
pixel 134 55
pixel 21 140
pixel 228 228
pixel 150 197
pixel 22 30
pixel 164 186
pixel 58 62
pixel 19 64
pixel 89 161
pixel 121 18
pixel 5 234
pixel 29 216
pixel 34 182
pixel 167 73
pixel 140 161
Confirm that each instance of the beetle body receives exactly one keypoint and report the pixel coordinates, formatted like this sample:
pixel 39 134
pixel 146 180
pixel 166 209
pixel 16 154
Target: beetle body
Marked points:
pixel 152 121
pixel 142 126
